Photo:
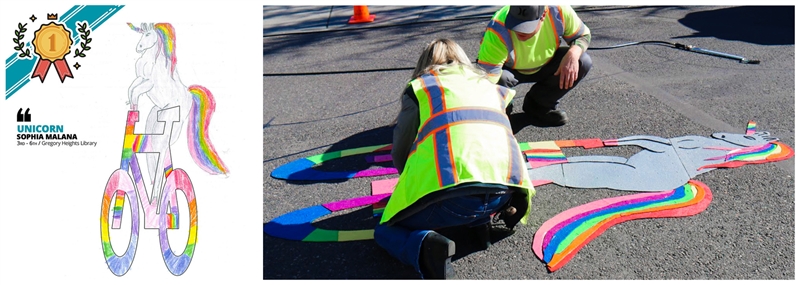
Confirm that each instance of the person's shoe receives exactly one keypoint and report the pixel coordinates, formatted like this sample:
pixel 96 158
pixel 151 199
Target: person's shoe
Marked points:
pixel 550 117
pixel 507 215
pixel 483 235
pixel 435 255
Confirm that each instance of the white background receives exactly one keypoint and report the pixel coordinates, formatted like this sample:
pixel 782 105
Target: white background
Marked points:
pixel 51 196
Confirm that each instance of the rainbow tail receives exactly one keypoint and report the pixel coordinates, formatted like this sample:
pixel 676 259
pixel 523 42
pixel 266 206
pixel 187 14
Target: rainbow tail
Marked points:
pixel 200 147
pixel 561 237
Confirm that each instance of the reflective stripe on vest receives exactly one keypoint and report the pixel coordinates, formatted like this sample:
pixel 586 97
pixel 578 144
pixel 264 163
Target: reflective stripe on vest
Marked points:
pixel 558 22
pixel 499 29
pixel 435 92
pixel 438 126
pixel 516 165
pixel 503 91
pixel 491 69
pixel 502 32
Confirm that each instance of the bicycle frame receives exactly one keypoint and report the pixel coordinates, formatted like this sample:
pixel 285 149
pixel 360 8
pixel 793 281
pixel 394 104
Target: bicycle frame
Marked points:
pixel 160 208
pixel 149 144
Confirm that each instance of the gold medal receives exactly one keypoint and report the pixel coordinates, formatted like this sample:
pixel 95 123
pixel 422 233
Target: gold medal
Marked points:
pixel 51 43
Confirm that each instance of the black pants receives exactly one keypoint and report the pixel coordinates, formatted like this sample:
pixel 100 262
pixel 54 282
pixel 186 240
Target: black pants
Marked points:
pixel 546 93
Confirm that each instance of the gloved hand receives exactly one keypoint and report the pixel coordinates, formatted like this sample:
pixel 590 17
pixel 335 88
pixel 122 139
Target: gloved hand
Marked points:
pixel 507 79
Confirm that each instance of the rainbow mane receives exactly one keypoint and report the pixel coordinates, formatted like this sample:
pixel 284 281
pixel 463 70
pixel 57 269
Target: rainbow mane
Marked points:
pixel 166 41
pixel 771 152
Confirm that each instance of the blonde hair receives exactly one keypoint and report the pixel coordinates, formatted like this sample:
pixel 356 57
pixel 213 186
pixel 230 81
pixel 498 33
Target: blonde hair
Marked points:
pixel 442 54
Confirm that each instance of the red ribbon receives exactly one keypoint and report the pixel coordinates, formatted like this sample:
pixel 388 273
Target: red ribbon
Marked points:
pixel 43 66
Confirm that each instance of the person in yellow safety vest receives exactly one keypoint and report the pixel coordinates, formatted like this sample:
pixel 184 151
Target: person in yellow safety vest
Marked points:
pixel 458 160
pixel 522 44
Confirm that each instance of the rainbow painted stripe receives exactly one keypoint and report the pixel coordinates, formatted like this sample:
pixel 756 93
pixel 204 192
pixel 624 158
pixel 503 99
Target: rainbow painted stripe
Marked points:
pixel 200 147
pixel 297 225
pixel 561 237
pixel 178 181
pixel 541 157
pixel 751 128
pixel 545 153
pixel 119 184
pixel 539 153
pixel 771 152
pixel 302 169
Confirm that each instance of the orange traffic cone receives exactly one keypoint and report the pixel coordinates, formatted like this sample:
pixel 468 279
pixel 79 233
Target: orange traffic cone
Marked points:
pixel 361 15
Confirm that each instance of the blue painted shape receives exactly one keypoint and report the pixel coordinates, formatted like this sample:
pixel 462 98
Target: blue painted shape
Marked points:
pixel 302 169
pixel 551 247
pixel 18 70
pixel 295 225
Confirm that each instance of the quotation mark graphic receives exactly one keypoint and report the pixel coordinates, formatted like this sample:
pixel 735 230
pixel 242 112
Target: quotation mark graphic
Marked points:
pixel 24 118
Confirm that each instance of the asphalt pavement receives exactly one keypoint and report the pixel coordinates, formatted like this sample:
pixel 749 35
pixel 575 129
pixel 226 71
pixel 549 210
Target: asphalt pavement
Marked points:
pixel 329 85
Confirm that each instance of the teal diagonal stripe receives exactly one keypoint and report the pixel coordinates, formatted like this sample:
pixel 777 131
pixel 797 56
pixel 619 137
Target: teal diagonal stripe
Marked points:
pixel 18 70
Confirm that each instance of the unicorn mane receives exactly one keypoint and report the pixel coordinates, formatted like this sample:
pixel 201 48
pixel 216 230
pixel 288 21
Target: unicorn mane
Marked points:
pixel 166 41
pixel 770 152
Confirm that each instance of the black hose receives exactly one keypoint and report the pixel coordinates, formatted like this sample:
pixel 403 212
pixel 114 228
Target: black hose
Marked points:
pixel 684 47
pixel 633 43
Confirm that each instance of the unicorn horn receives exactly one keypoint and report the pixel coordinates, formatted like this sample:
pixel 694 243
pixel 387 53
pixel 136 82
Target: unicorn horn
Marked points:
pixel 751 128
pixel 134 28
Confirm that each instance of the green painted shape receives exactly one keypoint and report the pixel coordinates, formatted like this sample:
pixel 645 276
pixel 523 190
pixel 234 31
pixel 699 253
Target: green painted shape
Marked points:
pixel 317 159
pixel 322 235
pixel 362 150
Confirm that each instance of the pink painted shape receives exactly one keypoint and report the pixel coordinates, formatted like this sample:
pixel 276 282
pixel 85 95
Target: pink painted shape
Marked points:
pixel 355 202
pixel 589 143
pixel 376 172
pixel 540 182
pixel 383 186
pixel 535 164
pixel 379 158
pixel 538 237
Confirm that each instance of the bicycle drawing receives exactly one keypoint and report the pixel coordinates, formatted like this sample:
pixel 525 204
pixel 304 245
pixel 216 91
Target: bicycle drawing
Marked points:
pixel 160 209
pixel 174 104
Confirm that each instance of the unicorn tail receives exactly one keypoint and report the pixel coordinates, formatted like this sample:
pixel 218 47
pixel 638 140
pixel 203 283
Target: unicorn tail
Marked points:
pixel 200 146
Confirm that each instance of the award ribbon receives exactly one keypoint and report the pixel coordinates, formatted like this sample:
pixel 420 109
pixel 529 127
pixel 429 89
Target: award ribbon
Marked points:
pixel 51 43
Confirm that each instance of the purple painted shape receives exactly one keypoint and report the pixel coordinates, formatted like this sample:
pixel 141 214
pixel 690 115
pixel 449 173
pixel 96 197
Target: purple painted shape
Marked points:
pixel 355 202
pixel 553 230
pixel 376 172
pixel 379 158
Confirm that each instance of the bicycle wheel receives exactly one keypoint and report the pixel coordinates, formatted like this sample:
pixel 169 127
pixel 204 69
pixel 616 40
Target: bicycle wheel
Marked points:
pixel 120 187
pixel 178 180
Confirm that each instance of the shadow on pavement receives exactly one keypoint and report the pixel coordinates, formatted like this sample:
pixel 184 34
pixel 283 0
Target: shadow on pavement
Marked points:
pixel 764 25
pixel 287 259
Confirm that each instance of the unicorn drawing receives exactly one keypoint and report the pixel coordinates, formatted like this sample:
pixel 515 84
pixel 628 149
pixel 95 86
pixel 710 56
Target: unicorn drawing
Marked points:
pixel 663 171
pixel 157 76
pixel 661 164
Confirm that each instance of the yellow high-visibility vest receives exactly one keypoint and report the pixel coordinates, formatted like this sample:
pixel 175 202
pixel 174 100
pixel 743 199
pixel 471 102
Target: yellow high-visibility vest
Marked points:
pixel 464 136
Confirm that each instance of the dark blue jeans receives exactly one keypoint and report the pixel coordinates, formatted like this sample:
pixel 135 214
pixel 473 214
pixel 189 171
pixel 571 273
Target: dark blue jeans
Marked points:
pixel 403 240
pixel 546 92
